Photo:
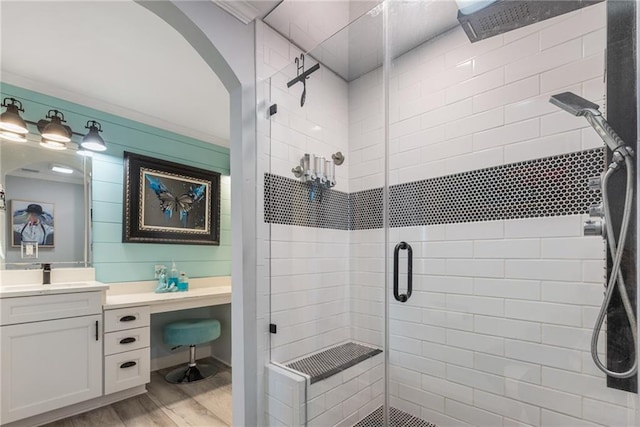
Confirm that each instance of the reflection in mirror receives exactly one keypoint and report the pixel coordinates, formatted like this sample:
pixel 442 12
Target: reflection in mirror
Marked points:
pixel 47 207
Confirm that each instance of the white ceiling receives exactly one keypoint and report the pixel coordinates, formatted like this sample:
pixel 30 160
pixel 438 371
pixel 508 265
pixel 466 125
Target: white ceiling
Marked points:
pixel 114 56
pixel 248 10
pixel 309 22
pixel 347 36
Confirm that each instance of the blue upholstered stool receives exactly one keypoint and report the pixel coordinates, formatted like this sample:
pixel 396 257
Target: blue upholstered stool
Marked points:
pixel 191 332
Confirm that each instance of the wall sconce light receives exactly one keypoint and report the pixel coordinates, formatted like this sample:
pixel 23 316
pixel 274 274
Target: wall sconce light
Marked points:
pixel 55 134
pixel 12 126
pixel 92 140
pixel 53 129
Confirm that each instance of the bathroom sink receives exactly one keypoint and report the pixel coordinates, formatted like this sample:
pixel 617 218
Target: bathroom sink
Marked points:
pixel 8 291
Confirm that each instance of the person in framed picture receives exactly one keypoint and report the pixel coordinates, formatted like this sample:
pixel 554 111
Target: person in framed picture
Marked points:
pixel 36 227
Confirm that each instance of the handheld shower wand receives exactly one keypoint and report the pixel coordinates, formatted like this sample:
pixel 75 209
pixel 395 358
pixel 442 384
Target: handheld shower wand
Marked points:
pixel 578 106
pixel 622 154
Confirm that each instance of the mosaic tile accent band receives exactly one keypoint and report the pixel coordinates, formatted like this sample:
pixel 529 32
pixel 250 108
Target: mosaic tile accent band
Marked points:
pixel 333 360
pixel 551 186
pixel 365 209
pixel 289 201
pixel 397 418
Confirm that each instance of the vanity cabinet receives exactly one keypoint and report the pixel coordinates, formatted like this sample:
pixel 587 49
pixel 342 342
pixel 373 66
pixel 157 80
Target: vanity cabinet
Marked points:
pixel 52 352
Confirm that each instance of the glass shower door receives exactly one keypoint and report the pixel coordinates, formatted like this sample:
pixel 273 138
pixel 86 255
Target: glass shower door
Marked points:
pixel 417 279
pixel 488 187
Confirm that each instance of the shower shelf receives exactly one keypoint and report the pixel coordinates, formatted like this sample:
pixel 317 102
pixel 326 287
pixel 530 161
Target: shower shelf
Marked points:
pixel 329 362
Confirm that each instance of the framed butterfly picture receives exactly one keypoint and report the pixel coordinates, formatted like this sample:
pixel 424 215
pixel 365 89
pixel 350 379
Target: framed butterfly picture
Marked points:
pixel 166 202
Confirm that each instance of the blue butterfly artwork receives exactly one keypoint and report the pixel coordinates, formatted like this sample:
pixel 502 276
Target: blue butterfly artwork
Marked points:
pixel 171 203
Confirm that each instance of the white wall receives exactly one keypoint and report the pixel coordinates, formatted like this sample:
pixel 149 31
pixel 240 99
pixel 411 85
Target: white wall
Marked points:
pixel 320 127
pixel 309 266
pixel 309 290
pixel 349 396
pixel 285 397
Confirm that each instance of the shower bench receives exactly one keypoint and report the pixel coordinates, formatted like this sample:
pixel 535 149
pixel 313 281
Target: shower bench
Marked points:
pixel 333 360
pixel 342 385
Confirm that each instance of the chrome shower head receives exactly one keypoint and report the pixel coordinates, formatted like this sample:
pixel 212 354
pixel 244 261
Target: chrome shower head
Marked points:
pixel 574 104
pixel 481 19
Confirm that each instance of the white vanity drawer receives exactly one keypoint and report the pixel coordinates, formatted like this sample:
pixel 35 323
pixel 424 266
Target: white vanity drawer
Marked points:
pixel 48 307
pixel 130 339
pixel 126 318
pixel 126 370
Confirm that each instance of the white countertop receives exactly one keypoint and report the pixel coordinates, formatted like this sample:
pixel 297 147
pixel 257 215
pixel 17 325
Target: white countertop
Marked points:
pixel 205 291
pixel 59 275
pixel 25 290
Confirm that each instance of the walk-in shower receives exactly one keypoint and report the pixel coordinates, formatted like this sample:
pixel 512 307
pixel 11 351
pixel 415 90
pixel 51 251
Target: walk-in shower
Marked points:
pixel 622 154
pixel 445 279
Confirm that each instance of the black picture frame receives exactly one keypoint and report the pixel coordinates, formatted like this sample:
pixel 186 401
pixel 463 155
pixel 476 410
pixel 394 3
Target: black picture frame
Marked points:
pixel 167 202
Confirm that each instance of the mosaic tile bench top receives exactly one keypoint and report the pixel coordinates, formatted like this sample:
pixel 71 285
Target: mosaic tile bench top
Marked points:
pixel 332 361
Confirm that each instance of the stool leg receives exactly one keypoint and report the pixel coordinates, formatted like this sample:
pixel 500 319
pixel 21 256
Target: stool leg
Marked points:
pixel 192 356
pixel 194 372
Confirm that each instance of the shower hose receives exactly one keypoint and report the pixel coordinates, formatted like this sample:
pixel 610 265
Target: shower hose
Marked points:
pixel 616 277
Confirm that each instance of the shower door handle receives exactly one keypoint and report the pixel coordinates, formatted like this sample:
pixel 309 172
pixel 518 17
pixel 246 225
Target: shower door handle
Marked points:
pixel 396 253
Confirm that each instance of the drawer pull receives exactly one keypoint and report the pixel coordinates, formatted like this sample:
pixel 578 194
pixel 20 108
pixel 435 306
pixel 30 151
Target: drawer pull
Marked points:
pixel 127 365
pixel 128 318
pixel 128 340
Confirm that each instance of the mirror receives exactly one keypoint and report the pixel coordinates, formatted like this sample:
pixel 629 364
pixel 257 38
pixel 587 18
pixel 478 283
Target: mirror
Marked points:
pixel 46 218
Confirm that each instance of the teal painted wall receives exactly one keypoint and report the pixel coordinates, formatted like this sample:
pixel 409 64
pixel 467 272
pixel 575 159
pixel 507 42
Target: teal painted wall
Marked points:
pixel 126 262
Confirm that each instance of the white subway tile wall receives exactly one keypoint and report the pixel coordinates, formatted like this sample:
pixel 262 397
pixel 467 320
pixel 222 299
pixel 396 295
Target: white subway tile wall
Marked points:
pixel 349 396
pixel 497 330
pixel 480 104
pixel 286 396
pixel 309 290
pixel 305 286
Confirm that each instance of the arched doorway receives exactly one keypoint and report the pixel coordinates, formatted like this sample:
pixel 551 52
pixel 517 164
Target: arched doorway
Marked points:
pixel 227 46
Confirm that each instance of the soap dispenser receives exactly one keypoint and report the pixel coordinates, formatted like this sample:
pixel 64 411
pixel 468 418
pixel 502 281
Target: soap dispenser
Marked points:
pixel 173 277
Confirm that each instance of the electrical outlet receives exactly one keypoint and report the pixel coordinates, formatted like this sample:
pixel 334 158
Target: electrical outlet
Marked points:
pixel 157 269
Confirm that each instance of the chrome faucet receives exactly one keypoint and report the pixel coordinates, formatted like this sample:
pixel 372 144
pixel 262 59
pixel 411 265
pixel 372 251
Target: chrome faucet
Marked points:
pixel 46 274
